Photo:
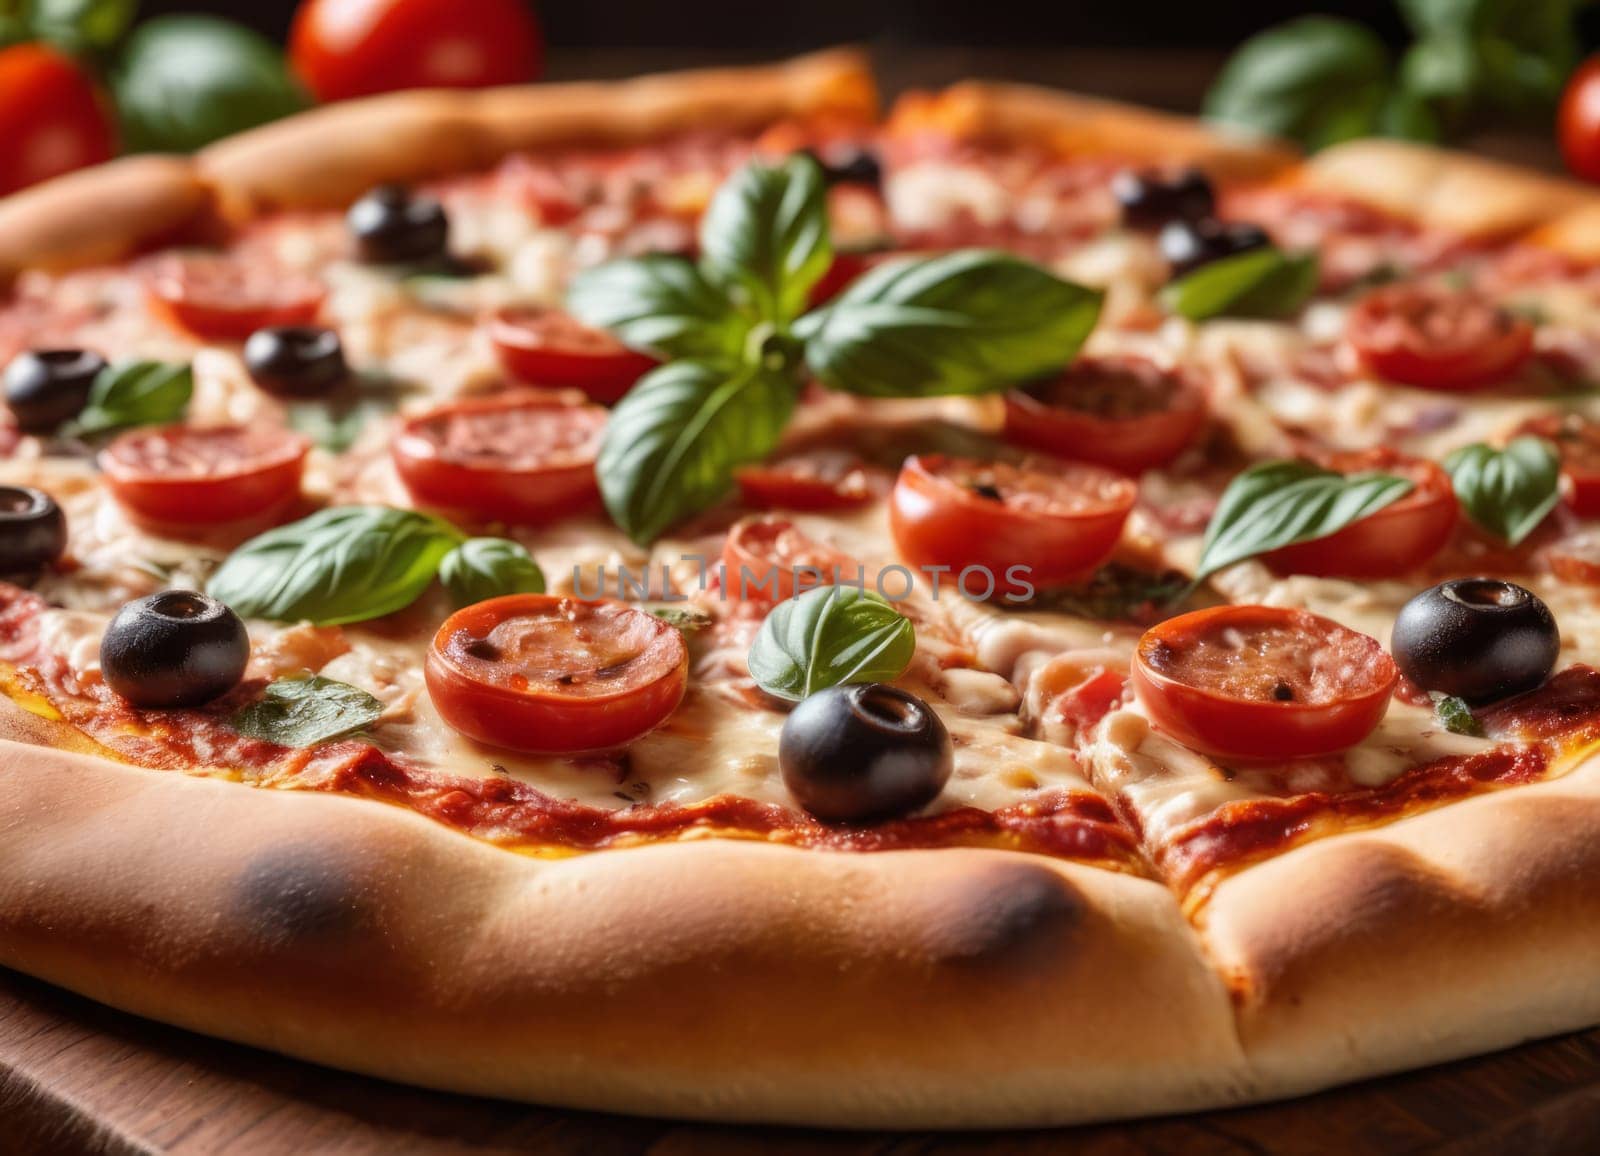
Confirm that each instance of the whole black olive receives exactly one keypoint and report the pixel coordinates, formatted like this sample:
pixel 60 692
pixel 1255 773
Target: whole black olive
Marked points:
pixel 297 360
pixel 851 754
pixel 857 165
pixel 1479 639
pixel 45 387
pixel 1151 199
pixel 1187 245
pixel 175 648
pixel 394 226
pixel 33 532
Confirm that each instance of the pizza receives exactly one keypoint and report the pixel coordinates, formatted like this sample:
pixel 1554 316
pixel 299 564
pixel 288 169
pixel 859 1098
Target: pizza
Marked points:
pixel 689 597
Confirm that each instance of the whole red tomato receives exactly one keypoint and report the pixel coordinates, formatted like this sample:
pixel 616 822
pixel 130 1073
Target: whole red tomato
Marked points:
pixel 1578 124
pixel 52 118
pixel 345 48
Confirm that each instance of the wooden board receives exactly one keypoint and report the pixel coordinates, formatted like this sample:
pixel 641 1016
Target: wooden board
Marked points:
pixel 76 1077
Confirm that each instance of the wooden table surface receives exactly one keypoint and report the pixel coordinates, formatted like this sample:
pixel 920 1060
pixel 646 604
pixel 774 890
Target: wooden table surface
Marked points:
pixel 78 1077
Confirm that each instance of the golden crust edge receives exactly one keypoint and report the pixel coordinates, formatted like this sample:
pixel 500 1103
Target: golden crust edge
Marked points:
pixel 710 979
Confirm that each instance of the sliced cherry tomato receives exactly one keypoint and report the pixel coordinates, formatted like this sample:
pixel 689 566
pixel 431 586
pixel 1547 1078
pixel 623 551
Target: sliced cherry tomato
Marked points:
pixel 1124 412
pixel 1578 122
pixel 222 298
pixel 1037 524
pixel 345 48
pixel 555 675
pixel 1396 540
pixel 1437 338
pixel 1578 440
pixel 520 457
pixel 771 559
pixel 811 480
pixel 1262 682
pixel 551 348
pixel 52 118
pixel 176 476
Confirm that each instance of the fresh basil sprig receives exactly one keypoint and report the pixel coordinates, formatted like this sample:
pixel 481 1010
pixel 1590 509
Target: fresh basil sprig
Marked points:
pixel 971 321
pixel 1507 492
pixel 673 442
pixel 302 712
pixel 343 564
pixel 1259 283
pixel 662 304
pixel 829 636
pixel 484 568
pixel 135 393
pixel 961 323
pixel 764 237
pixel 1280 503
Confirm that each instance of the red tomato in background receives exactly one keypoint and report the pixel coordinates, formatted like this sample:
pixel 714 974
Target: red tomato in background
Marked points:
pixel 1578 122
pixel 52 117
pixel 345 48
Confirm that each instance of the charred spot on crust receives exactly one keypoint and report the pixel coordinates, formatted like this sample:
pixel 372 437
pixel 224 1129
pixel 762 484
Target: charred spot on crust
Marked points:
pixel 1006 915
pixel 295 895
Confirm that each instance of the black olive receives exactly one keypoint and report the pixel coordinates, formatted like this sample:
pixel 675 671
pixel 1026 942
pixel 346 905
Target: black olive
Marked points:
pixel 857 166
pixel 394 226
pixel 33 532
pixel 176 648
pixel 1151 199
pixel 1187 245
pixel 855 753
pixel 45 387
pixel 1479 639
pixel 297 360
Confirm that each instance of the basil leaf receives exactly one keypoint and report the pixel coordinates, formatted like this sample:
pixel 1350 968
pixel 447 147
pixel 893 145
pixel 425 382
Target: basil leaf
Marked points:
pixel 659 303
pixel 1259 283
pixel 343 564
pixel 684 618
pixel 185 81
pixel 673 442
pixel 1507 492
pixel 829 636
pixel 764 237
pixel 484 568
pixel 965 322
pixel 79 25
pixel 302 712
pixel 1456 716
pixel 135 393
pixel 1281 503
pixel 1316 80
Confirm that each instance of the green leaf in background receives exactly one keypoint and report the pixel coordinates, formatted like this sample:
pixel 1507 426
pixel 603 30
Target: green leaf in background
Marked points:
pixel 972 321
pixel 79 25
pixel 184 81
pixel 302 712
pixel 135 393
pixel 662 304
pixel 764 237
pixel 1507 492
pixel 1258 283
pixel 1511 55
pixel 673 442
pixel 1316 80
pixel 484 568
pixel 343 564
pixel 1280 503
pixel 827 637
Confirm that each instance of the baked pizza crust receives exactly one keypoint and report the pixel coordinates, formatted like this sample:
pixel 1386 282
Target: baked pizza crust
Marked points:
pixel 1456 192
pixel 1073 124
pixel 331 155
pixel 718 979
pixel 736 980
